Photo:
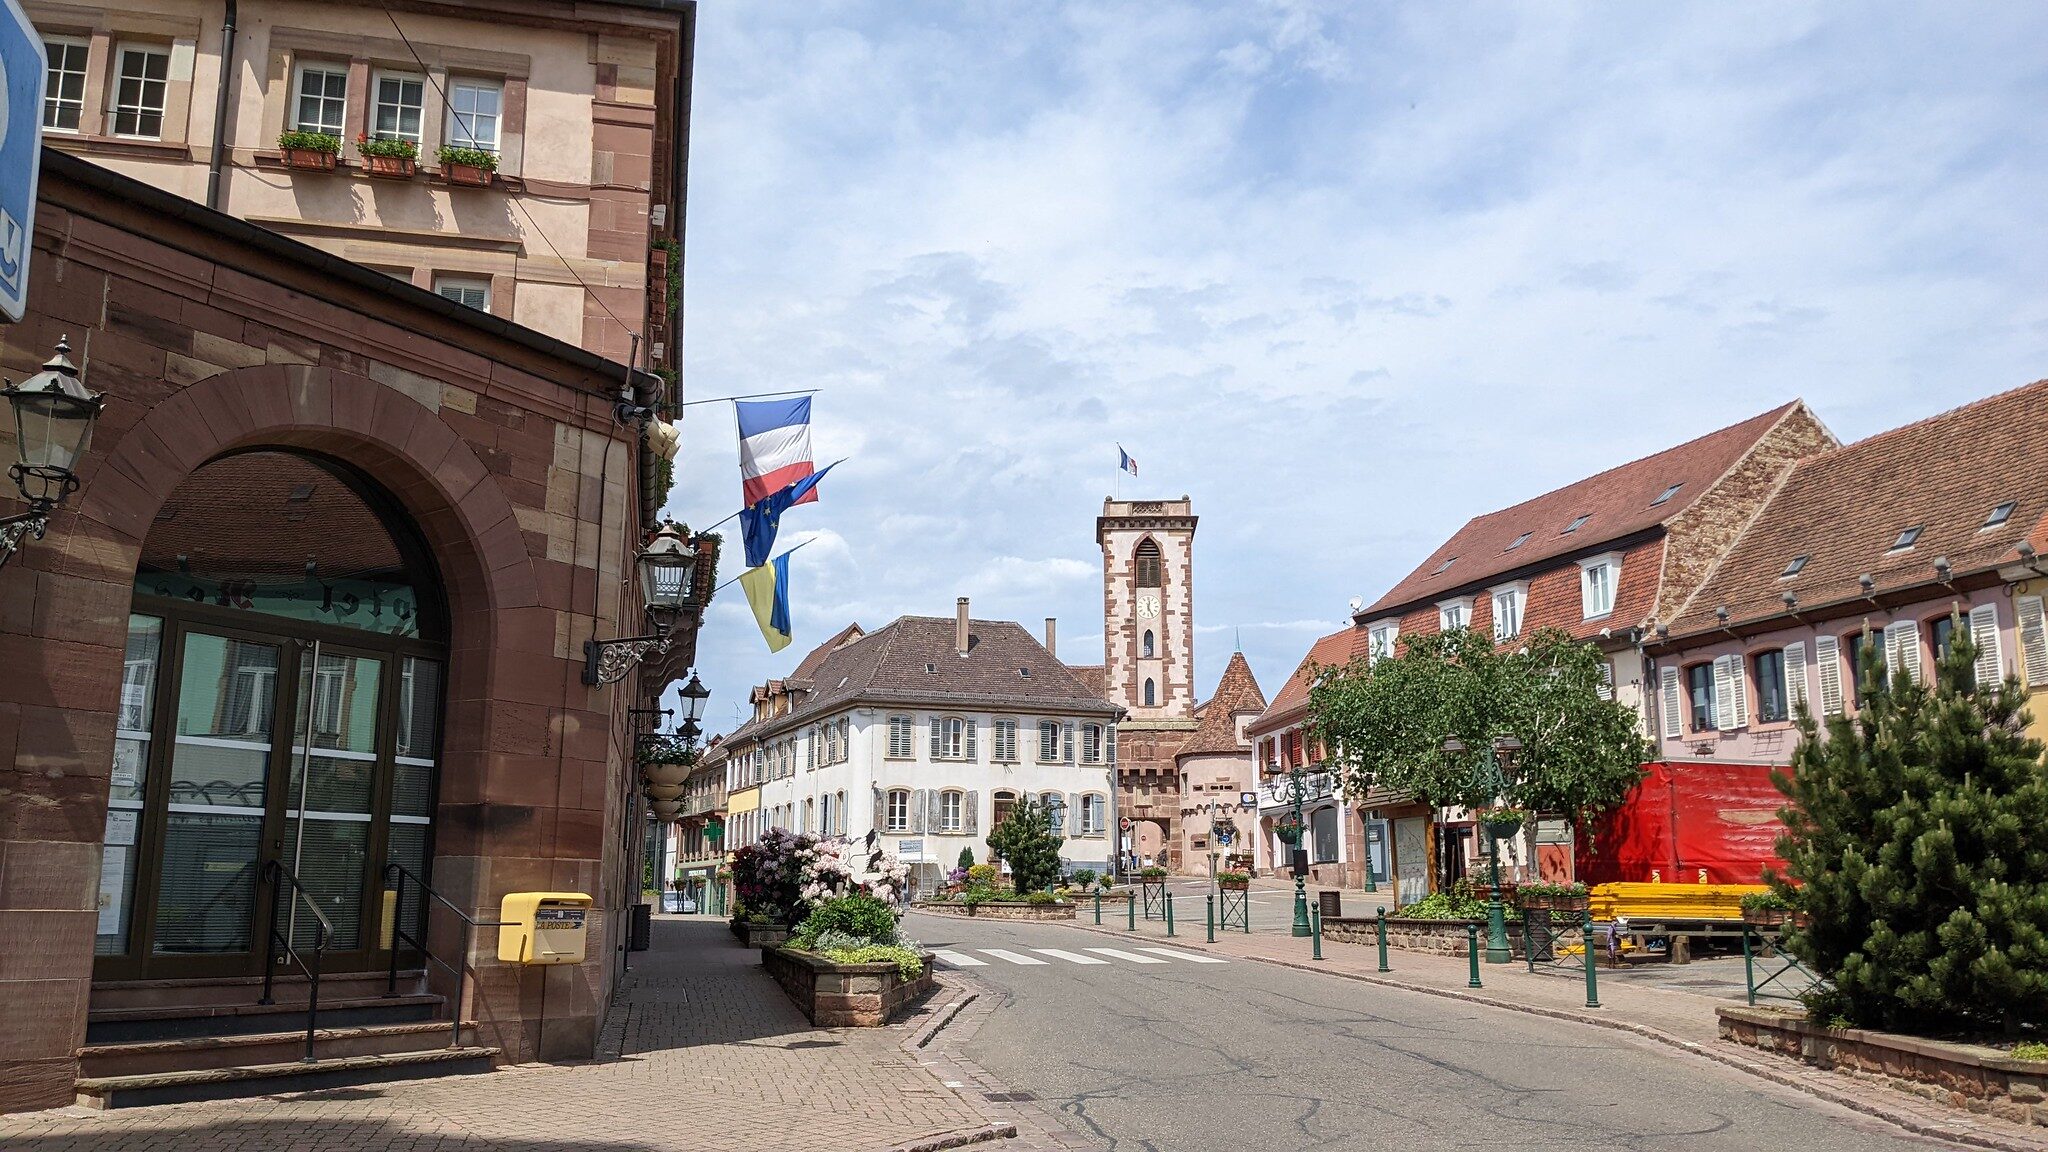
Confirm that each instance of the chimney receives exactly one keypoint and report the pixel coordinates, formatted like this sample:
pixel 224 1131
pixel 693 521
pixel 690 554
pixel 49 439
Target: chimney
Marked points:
pixel 1052 637
pixel 960 627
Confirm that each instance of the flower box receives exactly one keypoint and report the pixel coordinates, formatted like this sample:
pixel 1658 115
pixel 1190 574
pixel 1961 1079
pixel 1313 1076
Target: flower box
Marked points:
pixel 1234 885
pixel 309 159
pixel 999 909
pixel 391 167
pixel 470 174
pixel 1773 917
pixel 836 995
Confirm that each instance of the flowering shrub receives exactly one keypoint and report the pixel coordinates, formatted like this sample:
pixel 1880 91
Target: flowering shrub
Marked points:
pixel 956 877
pixel 788 872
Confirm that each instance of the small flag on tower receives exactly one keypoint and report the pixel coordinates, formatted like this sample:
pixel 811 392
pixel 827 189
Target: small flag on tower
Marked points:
pixel 775 447
pixel 1125 462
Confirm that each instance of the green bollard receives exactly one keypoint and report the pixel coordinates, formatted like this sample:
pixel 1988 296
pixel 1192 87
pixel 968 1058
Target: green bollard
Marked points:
pixel 1472 954
pixel 1315 930
pixel 1210 902
pixel 1383 941
pixel 1098 907
pixel 1131 911
pixel 1169 913
pixel 1748 967
pixel 1247 913
pixel 1593 981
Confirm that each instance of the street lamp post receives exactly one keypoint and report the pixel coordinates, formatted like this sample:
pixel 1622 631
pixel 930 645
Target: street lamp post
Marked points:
pixel 1498 758
pixel 53 419
pixel 1297 790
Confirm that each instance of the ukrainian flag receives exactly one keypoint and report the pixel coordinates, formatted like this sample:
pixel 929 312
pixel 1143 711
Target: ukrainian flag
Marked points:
pixel 767 589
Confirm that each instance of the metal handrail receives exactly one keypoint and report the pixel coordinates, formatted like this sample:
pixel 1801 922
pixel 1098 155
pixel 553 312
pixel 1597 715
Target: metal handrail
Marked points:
pixel 323 934
pixel 395 876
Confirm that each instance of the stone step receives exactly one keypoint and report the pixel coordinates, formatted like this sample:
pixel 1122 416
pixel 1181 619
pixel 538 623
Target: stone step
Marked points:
pixel 268 1079
pixel 172 1022
pixel 285 988
pixel 154 1057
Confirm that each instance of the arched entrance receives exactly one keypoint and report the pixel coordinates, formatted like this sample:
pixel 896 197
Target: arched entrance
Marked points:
pixel 281 701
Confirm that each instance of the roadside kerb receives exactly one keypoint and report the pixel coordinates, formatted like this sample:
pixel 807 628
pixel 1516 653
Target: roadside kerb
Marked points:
pixel 1935 1124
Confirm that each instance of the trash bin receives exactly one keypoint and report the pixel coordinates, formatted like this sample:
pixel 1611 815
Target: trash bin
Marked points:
pixel 641 930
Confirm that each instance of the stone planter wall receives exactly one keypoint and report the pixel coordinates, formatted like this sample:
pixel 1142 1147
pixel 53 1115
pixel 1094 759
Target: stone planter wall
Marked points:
pixel 1441 937
pixel 759 935
pixel 835 995
pixel 1966 1076
pixel 1004 911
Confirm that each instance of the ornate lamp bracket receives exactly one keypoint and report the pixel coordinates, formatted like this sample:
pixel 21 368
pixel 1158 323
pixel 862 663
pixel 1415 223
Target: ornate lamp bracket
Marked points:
pixel 608 661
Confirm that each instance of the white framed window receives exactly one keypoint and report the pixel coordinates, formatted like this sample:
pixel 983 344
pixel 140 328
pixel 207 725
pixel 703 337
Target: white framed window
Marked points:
pixel 1598 578
pixel 902 745
pixel 1454 614
pixel 950 819
pixel 320 101
pixel 465 290
pixel 1094 814
pixel 1055 806
pixel 1091 744
pixel 953 738
pixel 1048 741
pixel 1508 601
pixel 1006 742
pixel 1380 641
pixel 475 108
pixel 398 111
pixel 142 74
pixel 64 83
pixel 899 810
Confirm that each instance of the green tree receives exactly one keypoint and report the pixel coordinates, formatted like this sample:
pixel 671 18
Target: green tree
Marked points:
pixel 1027 841
pixel 1913 843
pixel 1385 725
pixel 966 858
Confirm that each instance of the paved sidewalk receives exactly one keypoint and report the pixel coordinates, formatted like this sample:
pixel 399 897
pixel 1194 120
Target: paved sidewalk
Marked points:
pixel 1681 1018
pixel 701 1053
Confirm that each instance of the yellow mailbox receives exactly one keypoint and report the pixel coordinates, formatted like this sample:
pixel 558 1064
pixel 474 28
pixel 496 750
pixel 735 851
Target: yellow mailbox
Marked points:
pixel 542 927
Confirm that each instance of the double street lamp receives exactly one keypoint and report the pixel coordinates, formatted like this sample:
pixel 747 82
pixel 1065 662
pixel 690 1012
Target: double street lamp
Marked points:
pixel 53 419
pixel 1495 774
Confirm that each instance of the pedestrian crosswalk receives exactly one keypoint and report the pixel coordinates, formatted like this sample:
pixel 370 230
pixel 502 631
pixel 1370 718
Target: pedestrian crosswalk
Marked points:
pixel 965 957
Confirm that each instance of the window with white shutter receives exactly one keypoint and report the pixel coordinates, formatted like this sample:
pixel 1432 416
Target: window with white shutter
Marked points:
pixel 973 751
pixel 1738 692
pixel 1724 692
pixel 2033 629
pixel 1048 741
pixel 1795 674
pixel 1902 649
pixel 1112 743
pixel 1006 742
pixel 1669 703
pixel 938 739
pixel 898 814
pixel 1984 633
pixel 972 825
pixel 1827 660
pixel 899 738
pixel 1067 743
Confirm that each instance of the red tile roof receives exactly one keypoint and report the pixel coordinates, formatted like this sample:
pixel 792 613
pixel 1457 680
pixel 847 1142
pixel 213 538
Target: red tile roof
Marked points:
pixel 1617 503
pixel 1292 699
pixel 1845 508
pixel 1236 693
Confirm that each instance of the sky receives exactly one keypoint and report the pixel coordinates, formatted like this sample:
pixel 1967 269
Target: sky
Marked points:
pixel 1345 274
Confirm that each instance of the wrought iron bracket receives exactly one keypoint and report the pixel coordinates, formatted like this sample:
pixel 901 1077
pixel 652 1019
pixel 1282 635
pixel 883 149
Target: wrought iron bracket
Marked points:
pixel 14 530
pixel 608 661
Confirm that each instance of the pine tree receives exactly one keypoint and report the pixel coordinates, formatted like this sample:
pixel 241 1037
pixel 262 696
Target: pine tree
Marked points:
pixel 1026 839
pixel 1914 842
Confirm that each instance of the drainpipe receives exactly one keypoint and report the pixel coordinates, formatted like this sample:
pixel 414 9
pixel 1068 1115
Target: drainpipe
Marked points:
pixel 220 107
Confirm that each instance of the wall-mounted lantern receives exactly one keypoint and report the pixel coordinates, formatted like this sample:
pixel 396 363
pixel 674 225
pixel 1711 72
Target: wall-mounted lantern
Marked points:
pixel 53 419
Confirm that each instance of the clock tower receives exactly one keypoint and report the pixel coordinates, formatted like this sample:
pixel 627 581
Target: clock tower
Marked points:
pixel 1148 628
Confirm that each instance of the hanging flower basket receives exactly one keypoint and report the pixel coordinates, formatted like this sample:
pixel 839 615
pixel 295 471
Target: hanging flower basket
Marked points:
pixel 1504 822
pixel 1288 829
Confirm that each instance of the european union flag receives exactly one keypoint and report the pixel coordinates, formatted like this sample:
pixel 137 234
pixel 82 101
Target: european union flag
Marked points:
pixel 758 523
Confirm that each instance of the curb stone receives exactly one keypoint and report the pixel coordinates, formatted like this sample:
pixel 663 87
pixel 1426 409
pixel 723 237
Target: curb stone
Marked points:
pixel 1029 1123
pixel 1788 1079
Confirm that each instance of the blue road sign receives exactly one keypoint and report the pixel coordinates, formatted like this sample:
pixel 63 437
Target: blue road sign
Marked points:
pixel 22 68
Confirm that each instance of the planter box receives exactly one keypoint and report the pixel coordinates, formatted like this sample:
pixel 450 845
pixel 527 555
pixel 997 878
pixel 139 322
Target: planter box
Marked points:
pixel 469 174
pixel 309 159
pixel 1969 1077
pixel 760 935
pixel 1774 918
pixel 1228 886
pixel 1439 937
pixel 834 995
pixel 1000 910
pixel 391 167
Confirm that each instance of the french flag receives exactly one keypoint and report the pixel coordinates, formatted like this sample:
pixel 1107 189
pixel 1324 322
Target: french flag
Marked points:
pixel 775 447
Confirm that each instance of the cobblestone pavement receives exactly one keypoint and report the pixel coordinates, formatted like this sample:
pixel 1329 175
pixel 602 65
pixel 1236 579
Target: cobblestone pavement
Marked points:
pixel 1665 1011
pixel 701 1053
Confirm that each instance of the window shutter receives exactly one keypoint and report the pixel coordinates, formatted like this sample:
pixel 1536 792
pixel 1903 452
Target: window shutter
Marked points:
pixel 1724 693
pixel 1902 648
pixel 1112 743
pixel 881 809
pixel 970 814
pixel 920 809
pixel 1984 631
pixel 1827 656
pixel 2033 627
pixel 811 750
pixel 1067 743
pixel 1795 674
pixel 973 750
pixel 1074 802
pixel 938 736
pixel 1738 689
pixel 1674 724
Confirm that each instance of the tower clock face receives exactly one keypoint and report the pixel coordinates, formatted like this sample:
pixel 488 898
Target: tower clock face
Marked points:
pixel 1148 607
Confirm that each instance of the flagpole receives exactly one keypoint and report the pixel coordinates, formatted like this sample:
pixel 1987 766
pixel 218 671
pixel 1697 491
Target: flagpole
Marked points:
pixel 751 396
pixel 736 515
pixel 736 579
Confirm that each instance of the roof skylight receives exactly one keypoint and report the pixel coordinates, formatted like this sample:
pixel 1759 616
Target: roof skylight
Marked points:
pixel 1575 525
pixel 1907 538
pixel 1519 541
pixel 2001 514
pixel 1668 494
pixel 1792 568
pixel 1448 561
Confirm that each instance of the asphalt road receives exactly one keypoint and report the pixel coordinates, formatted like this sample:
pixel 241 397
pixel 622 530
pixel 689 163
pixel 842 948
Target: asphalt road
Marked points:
pixel 1178 1056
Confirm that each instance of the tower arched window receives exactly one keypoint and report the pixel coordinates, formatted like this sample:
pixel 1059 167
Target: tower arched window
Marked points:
pixel 1149 644
pixel 1148 564
pixel 1151 694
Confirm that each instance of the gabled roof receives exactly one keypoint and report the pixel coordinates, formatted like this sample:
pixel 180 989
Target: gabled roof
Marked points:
pixel 1236 694
pixel 913 660
pixel 1844 509
pixel 808 666
pixel 1615 504
pixel 1095 676
pixel 1338 648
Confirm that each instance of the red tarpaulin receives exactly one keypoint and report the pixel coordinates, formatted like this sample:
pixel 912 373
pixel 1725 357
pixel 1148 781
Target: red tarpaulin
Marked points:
pixel 1686 820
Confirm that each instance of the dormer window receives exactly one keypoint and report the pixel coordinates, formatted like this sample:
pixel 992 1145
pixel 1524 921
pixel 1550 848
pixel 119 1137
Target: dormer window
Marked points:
pixel 1519 541
pixel 1906 539
pixel 1024 672
pixel 1452 615
pixel 1668 494
pixel 2001 514
pixel 931 669
pixel 1792 568
pixel 1576 524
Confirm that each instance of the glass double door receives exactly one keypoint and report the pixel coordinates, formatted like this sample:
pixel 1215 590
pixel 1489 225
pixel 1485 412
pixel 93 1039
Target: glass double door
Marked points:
pixel 236 749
